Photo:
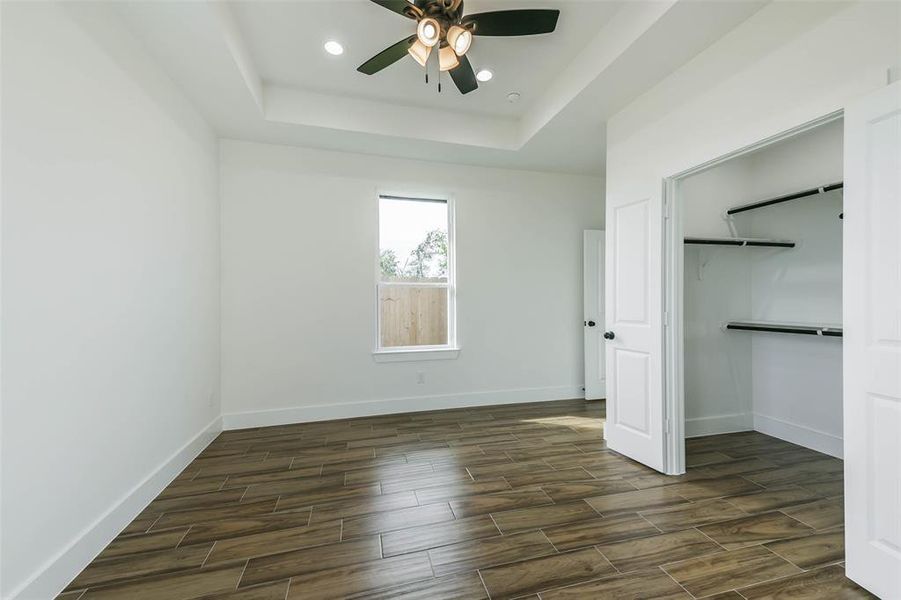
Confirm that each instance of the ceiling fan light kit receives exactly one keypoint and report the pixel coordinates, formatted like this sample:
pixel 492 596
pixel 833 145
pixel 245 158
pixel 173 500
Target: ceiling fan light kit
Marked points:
pixel 442 23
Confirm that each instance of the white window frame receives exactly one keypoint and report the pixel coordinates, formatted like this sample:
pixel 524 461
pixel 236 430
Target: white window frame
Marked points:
pixel 412 353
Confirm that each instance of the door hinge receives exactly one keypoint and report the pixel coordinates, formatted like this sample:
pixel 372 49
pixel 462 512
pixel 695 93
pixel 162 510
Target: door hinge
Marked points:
pixel 668 427
pixel 665 318
pixel 666 208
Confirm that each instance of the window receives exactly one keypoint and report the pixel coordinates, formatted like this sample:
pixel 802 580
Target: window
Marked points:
pixel 415 275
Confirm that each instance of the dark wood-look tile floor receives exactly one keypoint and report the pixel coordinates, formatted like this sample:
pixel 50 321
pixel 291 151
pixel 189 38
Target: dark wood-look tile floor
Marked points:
pixel 497 502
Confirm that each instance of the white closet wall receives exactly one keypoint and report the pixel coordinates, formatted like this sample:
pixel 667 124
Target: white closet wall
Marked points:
pixel 717 288
pixel 797 380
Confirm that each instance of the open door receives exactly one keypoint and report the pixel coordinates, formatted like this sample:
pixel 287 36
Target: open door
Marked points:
pixel 593 309
pixel 634 329
pixel 872 342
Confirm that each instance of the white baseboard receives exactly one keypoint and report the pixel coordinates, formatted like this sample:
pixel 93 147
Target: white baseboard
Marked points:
pixel 61 569
pixel 326 412
pixel 798 434
pixel 718 424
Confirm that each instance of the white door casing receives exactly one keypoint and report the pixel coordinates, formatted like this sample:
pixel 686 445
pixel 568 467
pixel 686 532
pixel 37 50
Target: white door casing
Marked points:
pixel 593 310
pixel 634 308
pixel 872 342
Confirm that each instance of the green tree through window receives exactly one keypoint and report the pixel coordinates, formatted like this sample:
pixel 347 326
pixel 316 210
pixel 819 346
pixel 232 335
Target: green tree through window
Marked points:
pixel 427 260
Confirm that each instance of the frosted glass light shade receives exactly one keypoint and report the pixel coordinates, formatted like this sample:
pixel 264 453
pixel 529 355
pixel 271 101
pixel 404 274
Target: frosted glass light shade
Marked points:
pixel 420 52
pixel 447 59
pixel 428 31
pixel 459 39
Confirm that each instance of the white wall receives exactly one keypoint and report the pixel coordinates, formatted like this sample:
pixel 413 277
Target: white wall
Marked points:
pixel 110 288
pixel 299 240
pixel 790 63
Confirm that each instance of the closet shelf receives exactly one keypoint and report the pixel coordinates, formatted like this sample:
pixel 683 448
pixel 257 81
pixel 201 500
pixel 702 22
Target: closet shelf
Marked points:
pixel 740 242
pixel 802 194
pixel 796 328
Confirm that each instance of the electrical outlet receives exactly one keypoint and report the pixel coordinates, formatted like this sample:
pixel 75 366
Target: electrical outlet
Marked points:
pixel 420 377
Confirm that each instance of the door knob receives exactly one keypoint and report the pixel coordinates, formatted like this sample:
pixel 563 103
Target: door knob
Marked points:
pixel 591 323
pixel 609 335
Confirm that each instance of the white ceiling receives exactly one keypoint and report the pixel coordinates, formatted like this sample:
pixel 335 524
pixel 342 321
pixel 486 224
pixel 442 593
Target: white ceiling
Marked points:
pixel 257 70
pixel 286 39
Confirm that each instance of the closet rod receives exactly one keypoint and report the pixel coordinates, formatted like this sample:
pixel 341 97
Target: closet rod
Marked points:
pixel 820 330
pixel 742 242
pixel 780 199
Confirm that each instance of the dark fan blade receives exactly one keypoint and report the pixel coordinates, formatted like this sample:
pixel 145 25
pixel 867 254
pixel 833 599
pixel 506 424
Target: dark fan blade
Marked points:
pixel 401 7
pixel 464 77
pixel 387 57
pixel 513 22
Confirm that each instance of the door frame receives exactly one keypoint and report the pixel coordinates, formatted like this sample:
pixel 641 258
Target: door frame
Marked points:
pixel 598 328
pixel 673 282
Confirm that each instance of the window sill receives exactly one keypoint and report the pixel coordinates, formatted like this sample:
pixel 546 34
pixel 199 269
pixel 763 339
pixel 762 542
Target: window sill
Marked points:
pixel 383 356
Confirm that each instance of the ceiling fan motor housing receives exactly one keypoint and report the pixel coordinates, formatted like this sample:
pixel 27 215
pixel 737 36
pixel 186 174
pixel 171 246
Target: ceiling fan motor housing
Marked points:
pixel 447 12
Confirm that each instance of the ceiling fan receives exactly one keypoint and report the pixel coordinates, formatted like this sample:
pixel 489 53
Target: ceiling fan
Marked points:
pixel 441 24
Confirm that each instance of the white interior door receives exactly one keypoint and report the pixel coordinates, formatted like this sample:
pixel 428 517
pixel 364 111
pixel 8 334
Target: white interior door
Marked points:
pixel 634 329
pixel 593 310
pixel 872 342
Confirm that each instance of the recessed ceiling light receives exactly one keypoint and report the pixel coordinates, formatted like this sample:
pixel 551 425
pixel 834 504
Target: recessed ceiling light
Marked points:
pixel 513 97
pixel 484 75
pixel 334 48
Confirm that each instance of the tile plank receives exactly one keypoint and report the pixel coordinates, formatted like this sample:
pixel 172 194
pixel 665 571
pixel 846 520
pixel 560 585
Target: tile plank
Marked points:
pixel 426 537
pixel 771 498
pixel 753 530
pixel 396 519
pixel 696 514
pixel 361 578
pixel 273 542
pixel 729 570
pixel 828 582
pixel 230 526
pixel 576 490
pixel 823 514
pixel 604 530
pixel 141 565
pixel 538 574
pixel 488 503
pixel 462 586
pixel 143 542
pixel 524 519
pixel 634 501
pixel 299 562
pixel 639 585
pixel 813 550
pixel 180 586
pixel 488 552
pixel 649 552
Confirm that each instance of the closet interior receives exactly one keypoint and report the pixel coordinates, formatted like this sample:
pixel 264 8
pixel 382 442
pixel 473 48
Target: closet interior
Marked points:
pixel 762 306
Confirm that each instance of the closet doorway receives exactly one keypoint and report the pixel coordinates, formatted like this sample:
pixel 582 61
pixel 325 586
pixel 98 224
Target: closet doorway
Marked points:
pixel 754 293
